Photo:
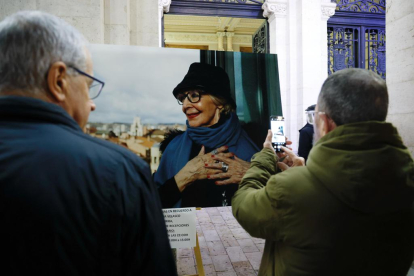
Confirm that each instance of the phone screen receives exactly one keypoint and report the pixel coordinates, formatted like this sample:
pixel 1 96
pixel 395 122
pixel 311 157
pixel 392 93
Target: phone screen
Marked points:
pixel 277 125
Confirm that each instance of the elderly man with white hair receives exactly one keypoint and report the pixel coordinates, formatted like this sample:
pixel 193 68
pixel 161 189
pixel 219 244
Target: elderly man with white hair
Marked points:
pixel 70 204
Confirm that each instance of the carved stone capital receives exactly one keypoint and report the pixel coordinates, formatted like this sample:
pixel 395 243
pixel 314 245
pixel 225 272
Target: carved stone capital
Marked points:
pixel 229 34
pixel 221 34
pixel 328 10
pixel 278 8
pixel 164 6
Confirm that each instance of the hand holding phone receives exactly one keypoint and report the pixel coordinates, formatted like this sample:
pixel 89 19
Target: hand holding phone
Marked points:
pixel 277 125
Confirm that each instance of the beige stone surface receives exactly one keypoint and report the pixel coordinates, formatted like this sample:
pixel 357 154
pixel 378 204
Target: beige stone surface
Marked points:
pixel 116 12
pixel 122 22
pixel 240 233
pixel 74 8
pixel 8 7
pixel 399 103
pixel 222 264
pixel 211 235
pixel 144 23
pixel 216 248
pixel 244 268
pixel 209 270
pixel 86 16
pixel 225 247
pixel 400 67
pixel 397 9
pixel 236 254
pixel 227 273
pixel 116 34
pixel 91 28
pixel 248 245
pixel 186 266
pixel 255 259
pixel 229 241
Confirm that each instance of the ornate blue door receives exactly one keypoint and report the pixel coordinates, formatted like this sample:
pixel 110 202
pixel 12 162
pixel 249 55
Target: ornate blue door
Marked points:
pixel 356 36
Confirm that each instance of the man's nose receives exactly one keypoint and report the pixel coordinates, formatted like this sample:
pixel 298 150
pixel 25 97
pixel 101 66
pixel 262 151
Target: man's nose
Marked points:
pixel 93 105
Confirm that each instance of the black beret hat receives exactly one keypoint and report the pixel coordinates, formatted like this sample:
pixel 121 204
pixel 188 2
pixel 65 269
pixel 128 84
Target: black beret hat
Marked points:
pixel 212 79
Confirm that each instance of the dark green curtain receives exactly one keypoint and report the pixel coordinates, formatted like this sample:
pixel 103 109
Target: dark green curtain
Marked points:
pixel 254 79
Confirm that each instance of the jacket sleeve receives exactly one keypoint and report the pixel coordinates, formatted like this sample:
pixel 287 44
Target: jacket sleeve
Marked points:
pixel 255 205
pixel 145 249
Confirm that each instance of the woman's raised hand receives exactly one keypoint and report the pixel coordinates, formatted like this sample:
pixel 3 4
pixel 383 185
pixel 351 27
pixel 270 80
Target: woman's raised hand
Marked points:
pixel 232 170
pixel 198 167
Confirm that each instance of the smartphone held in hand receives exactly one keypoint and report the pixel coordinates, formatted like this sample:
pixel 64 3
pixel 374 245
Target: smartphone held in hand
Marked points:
pixel 277 125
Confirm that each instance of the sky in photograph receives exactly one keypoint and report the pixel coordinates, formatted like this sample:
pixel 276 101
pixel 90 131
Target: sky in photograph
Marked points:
pixel 139 82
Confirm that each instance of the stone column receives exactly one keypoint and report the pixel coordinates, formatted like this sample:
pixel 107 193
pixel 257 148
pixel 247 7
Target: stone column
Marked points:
pixel 277 13
pixel 400 68
pixel 163 7
pixel 220 45
pixel 117 20
pixel 229 41
pixel 144 23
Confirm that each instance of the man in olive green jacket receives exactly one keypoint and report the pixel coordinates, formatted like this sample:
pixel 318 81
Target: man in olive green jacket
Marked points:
pixel 349 211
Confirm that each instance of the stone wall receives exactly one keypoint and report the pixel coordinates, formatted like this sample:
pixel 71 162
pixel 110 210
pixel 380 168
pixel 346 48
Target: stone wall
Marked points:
pixel 121 22
pixel 400 67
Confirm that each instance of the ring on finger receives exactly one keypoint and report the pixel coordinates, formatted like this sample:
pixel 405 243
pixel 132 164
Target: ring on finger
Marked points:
pixel 224 167
pixel 215 151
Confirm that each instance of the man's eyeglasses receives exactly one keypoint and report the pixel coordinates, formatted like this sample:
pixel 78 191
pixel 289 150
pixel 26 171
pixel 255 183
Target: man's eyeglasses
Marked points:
pixel 96 86
pixel 193 96
pixel 310 116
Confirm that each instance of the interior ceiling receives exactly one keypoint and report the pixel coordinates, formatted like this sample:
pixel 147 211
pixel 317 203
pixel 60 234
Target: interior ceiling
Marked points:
pixel 210 24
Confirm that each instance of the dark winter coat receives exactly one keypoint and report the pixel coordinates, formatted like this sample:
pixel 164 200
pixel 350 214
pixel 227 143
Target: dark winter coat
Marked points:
pixel 71 204
pixel 348 212
pixel 305 140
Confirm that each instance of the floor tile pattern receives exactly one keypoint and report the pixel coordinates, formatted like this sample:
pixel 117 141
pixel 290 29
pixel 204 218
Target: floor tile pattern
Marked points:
pixel 226 248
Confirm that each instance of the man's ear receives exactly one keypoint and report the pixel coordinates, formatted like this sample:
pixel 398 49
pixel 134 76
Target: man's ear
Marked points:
pixel 331 124
pixel 57 82
pixel 324 125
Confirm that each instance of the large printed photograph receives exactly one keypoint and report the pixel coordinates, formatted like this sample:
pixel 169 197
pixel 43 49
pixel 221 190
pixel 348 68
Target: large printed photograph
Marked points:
pixel 137 109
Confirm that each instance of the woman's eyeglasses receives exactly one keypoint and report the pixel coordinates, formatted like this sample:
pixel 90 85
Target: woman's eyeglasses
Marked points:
pixel 192 96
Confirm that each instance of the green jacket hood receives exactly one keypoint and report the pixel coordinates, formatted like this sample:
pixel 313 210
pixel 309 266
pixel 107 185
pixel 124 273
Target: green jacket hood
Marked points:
pixel 366 166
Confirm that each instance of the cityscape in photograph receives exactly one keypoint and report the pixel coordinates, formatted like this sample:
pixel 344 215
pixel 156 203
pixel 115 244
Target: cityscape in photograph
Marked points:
pixel 142 139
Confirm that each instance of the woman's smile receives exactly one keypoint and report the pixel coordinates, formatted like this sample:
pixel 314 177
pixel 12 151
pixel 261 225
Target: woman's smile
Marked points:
pixel 192 115
pixel 203 113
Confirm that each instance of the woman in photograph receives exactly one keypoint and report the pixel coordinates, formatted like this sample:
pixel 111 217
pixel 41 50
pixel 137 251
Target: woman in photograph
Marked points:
pixel 190 173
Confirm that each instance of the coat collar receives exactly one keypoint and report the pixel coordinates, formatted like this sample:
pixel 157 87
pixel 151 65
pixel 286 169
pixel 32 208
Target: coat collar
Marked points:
pixel 35 110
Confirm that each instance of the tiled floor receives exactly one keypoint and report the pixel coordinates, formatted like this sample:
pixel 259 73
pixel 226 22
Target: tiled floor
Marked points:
pixel 226 249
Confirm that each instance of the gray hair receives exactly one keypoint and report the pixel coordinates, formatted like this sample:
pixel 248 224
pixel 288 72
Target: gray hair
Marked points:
pixel 354 95
pixel 30 42
pixel 227 107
